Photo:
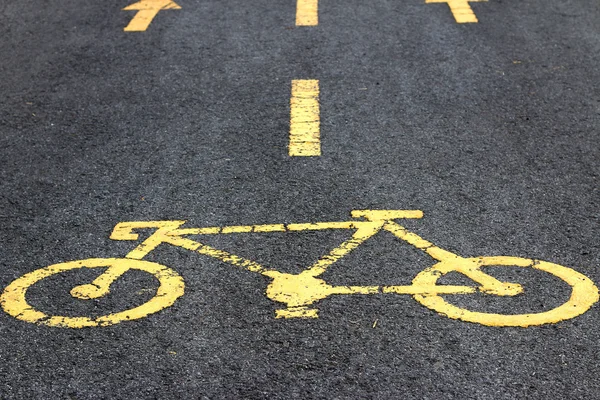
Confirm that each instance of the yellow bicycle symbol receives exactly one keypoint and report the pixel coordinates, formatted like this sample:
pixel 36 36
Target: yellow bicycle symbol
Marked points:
pixel 299 291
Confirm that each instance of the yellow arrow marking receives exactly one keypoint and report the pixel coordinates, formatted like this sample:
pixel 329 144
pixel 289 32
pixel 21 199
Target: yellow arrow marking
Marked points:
pixel 460 9
pixel 147 10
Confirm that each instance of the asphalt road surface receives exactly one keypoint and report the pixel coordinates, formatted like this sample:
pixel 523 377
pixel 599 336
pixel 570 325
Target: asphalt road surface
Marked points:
pixel 490 128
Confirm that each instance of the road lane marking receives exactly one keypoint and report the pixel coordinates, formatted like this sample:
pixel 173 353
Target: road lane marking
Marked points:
pixel 146 11
pixel 463 14
pixel 305 136
pixel 300 292
pixel 307 13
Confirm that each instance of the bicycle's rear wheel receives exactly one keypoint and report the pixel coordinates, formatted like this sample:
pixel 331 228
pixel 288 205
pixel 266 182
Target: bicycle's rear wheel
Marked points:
pixel 583 295
pixel 14 302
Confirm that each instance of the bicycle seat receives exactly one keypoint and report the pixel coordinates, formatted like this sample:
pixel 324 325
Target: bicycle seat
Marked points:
pixel 386 215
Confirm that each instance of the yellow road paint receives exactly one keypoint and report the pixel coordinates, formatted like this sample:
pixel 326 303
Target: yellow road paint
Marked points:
pixel 318 226
pixel 237 229
pixel 146 11
pixel 14 302
pixel 583 295
pixel 269 228
pixel 297 312
pixel 361 234
pixel 461 9
pixel 305 136
pixel 299 292
pixel 386 215
pixel 307 13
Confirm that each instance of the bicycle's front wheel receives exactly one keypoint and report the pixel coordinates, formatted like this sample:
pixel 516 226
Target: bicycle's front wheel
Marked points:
pixel 583 293
pixel 14 302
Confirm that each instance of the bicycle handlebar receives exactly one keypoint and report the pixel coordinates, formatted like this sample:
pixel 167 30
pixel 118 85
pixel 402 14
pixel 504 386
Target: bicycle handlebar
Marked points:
pixel 124 230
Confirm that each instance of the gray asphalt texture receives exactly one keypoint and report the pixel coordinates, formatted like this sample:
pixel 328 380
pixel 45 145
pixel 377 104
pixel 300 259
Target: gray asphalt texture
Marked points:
pixel 492 129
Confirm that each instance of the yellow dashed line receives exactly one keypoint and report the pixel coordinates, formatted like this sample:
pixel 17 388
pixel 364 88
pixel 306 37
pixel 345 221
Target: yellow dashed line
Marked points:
pixel 307 13
pixel 305 136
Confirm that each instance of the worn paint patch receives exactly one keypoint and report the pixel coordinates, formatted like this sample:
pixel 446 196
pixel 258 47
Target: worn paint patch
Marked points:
pixel 305 135
pixel 461 10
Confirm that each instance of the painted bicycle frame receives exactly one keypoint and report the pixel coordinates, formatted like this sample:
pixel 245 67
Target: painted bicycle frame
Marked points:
pixel 299 292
